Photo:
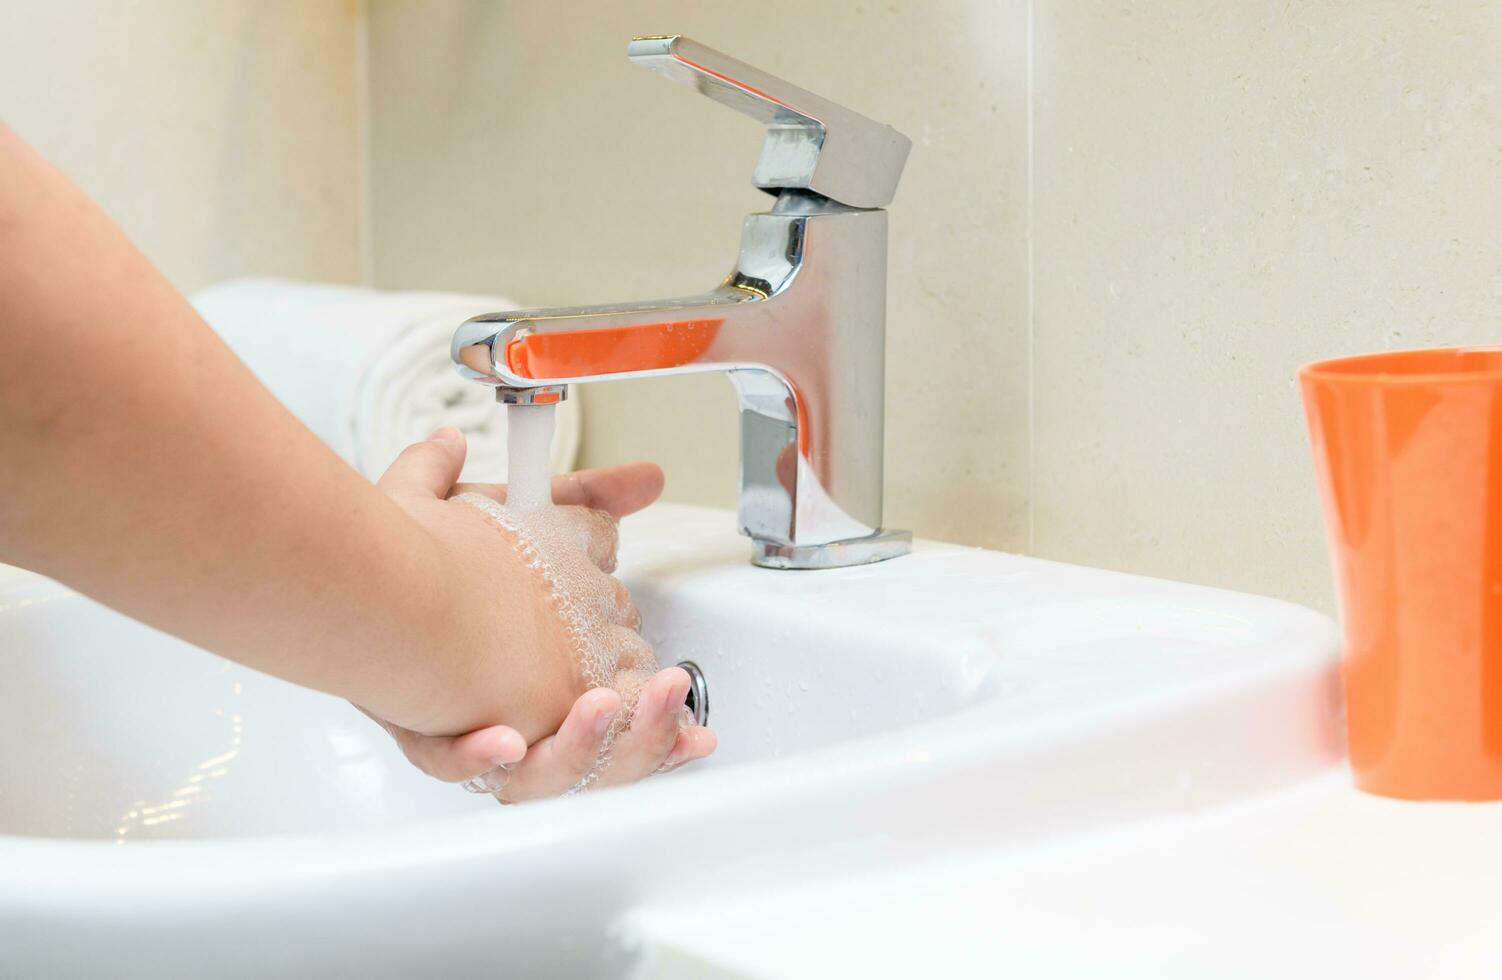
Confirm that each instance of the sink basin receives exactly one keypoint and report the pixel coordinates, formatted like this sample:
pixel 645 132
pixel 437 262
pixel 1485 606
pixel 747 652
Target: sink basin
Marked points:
pixel 160 798
pixel 119 732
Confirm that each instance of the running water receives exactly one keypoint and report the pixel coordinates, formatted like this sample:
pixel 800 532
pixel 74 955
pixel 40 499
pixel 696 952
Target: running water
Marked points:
pixel 608 652
pixel 529 444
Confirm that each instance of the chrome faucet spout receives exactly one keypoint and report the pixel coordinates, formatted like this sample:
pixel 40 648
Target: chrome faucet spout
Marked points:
pixel 798 325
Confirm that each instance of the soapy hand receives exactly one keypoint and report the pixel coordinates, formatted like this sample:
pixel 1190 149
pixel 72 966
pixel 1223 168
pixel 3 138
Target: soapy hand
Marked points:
pixel 497 760
pixel 421 480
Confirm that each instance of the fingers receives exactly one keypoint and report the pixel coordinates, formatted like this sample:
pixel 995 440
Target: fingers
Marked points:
pixel 694 742
pixel 617 490
pixel 456 758
pixel 428 468
pixel 654 742
pixel 554 764
pixel 643 748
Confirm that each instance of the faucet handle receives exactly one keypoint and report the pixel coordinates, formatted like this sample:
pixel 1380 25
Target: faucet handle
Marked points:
pixel 811 142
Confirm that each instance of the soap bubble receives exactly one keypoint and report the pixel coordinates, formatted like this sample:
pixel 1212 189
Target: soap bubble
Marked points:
pixel 608 651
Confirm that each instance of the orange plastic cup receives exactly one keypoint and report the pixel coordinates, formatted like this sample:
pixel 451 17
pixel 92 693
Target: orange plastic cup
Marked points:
pixel 1408 451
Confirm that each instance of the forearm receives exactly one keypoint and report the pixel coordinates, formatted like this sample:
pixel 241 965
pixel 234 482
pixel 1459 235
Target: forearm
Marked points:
pixel 145 466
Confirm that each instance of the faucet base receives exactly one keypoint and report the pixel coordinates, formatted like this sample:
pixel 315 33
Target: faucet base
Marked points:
pixel 876 547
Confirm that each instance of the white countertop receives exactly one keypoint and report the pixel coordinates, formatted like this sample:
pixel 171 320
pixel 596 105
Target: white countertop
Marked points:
pixel 1319 880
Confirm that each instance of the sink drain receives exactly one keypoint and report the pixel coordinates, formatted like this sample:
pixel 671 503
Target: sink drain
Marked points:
pixel 698 692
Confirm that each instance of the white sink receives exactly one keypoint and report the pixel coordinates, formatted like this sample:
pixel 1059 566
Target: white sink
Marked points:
pixel 166 813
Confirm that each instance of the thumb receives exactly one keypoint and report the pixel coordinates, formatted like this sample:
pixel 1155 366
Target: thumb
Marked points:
pixel 426 469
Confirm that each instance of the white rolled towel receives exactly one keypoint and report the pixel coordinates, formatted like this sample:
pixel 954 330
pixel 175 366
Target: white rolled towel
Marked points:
pixel 369 370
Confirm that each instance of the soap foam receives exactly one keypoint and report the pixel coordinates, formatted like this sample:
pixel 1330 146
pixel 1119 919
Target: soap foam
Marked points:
pixel 554 541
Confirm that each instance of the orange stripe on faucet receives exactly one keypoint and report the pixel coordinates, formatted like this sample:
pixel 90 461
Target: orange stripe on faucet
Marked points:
pixel 610 350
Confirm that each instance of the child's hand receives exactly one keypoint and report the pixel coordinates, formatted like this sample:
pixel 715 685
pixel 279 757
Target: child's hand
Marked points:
pixel 531 679
pixel 654 743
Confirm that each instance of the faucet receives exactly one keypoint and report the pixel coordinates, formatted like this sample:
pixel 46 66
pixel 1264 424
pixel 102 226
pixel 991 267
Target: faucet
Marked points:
pixel 799 325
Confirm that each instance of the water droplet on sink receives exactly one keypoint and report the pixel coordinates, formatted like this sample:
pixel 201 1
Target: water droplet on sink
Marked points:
pixel 803 685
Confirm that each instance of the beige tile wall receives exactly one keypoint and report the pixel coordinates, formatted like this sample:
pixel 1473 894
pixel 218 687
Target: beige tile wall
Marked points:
pixel 1218 192
pixel 1222 192
pixel 224 136
pixel 515 149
